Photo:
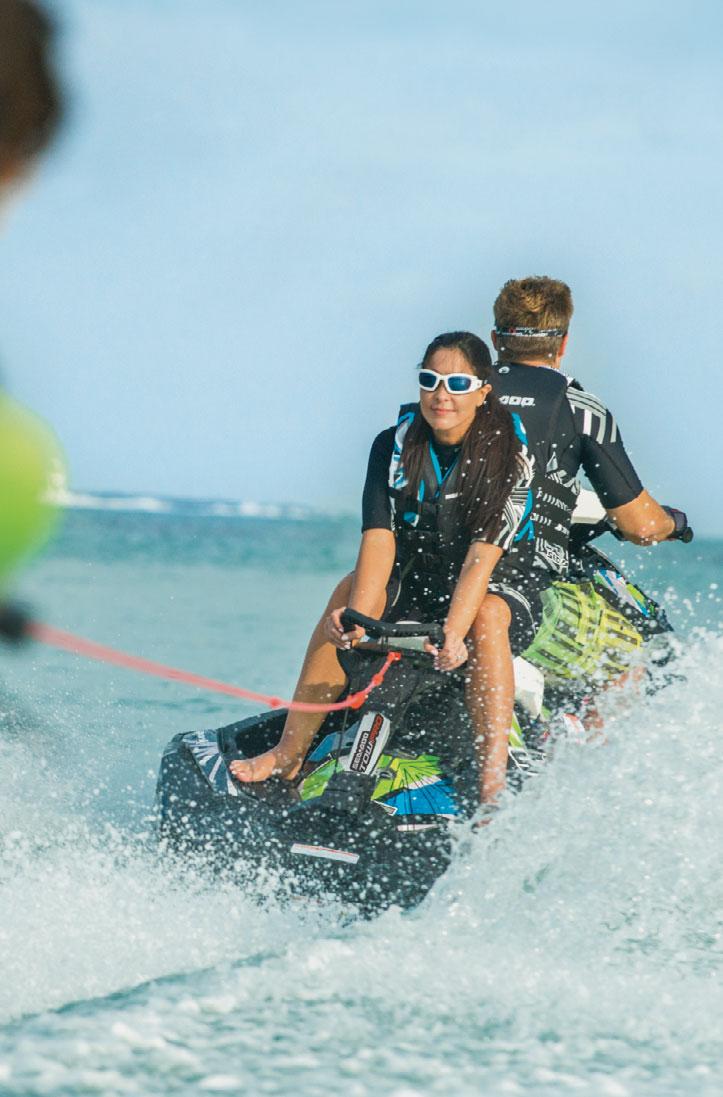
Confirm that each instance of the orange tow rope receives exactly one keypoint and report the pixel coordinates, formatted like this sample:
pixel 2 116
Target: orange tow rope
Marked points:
pixel 66 641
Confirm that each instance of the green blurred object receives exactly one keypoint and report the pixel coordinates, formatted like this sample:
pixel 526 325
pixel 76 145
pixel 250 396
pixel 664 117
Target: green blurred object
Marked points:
pixel 32 481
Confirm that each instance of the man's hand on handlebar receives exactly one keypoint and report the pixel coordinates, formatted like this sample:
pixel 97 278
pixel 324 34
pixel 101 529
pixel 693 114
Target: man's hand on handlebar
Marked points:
pixel 452 655
pixel 335 633
pixel 681 529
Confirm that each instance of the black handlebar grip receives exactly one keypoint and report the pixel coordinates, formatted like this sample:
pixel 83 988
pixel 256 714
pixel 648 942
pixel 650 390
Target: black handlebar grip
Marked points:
pixel 682 531
pixel 435 633
pixel 350 619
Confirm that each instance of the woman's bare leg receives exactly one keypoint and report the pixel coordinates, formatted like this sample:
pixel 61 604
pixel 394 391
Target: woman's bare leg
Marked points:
pixel 491 693
pixel 321 681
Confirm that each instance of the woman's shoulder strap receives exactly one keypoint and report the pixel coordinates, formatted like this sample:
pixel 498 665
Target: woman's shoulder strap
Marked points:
pixel 407 415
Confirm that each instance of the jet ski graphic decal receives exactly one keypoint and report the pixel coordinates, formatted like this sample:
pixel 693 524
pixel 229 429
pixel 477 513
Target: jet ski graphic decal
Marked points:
pixel 203 745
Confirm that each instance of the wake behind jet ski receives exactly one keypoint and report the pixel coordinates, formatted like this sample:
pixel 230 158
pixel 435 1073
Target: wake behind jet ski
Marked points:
pixel 369 817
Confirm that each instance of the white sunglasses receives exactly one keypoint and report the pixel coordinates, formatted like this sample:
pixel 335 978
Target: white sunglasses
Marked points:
pixel 455 383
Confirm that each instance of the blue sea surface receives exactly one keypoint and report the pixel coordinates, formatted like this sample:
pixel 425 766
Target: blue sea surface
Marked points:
pixel 575 946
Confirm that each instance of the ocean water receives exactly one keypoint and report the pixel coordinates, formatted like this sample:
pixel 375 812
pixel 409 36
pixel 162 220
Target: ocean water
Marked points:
pixel 575 946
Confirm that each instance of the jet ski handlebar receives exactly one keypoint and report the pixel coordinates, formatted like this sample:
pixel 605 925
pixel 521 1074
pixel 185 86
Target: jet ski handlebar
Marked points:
pixel 404 635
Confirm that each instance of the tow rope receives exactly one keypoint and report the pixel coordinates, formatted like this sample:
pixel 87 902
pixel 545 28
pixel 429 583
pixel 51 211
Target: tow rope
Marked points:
pixel 66 641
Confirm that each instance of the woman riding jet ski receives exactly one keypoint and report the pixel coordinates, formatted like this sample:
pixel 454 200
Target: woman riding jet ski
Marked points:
pixel 463 482
pixel 368 817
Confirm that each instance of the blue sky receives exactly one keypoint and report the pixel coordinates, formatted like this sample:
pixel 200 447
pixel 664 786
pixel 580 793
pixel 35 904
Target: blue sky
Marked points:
pixel 260 213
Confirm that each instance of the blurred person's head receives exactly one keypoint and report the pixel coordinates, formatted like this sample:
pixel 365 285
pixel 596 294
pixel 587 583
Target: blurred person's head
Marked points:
pixel 30 98
pixel 532 317
pixel 31 463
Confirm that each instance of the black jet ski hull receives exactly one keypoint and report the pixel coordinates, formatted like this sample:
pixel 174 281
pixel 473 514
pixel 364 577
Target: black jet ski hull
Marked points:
pixel 371 818
pixel 342 843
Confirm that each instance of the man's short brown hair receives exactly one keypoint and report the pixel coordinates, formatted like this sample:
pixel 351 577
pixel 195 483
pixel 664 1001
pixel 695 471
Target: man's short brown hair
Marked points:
pixel 30 100
pixel 535 304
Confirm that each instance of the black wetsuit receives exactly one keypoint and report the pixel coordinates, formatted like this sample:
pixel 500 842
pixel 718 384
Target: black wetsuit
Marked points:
pixel 564 429
pixel 567 429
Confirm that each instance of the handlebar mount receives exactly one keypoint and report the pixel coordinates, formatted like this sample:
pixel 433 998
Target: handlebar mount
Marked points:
pixel 393 635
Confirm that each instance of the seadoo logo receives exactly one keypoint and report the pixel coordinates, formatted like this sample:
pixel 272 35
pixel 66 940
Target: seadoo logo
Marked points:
pixel 518 401
pixel 369 742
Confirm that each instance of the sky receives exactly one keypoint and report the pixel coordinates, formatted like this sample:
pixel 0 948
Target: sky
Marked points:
pixel 260 213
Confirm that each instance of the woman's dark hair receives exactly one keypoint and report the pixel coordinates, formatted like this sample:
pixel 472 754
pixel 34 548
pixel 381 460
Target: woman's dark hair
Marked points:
pixel 488 459
pixel 30 98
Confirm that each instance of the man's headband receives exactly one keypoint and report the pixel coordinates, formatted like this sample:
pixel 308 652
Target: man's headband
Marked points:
pixel 533 333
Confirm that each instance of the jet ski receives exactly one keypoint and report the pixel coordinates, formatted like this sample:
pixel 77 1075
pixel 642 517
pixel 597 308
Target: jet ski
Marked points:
pixel 371 816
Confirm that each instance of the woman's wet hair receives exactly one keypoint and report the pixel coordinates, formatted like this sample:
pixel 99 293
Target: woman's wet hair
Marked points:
pixel 30 97
pixel 488 458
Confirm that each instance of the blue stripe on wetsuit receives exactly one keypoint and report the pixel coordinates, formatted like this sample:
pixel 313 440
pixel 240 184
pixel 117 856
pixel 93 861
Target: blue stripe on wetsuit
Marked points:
pixel 410 516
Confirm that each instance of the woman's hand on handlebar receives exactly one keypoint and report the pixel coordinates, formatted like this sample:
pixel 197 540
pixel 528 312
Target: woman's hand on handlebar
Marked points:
pixel 334 631
pixel 452 655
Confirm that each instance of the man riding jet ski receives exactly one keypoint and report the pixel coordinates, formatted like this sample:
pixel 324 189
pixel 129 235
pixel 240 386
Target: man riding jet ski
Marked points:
pixel 466 521
pixel 466 517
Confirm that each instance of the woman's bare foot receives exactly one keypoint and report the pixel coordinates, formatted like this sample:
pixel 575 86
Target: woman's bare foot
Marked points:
pixel 272 763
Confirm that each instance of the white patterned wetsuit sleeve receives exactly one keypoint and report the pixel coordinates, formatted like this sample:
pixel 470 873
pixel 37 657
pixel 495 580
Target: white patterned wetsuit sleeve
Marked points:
pixel 602 453
pixel 517 506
